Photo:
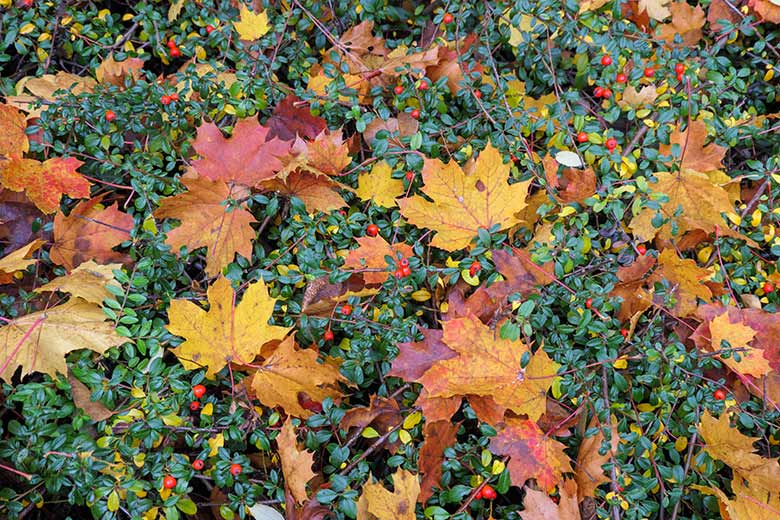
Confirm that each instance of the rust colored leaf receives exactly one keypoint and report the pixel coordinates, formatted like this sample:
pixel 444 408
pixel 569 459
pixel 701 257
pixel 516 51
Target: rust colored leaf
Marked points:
pixel 318 192
pixel 382 414
pixel 767 10
pixel 539 506
pixel 45 182
pixel 720 10
pixel 573 185
pixel 289 373
pixel 490 366
pixel 321 296
pixel 17 214
pixel 292 117
pixel 437 408
pixel 296 463
pixel 589 473
pixel 13 138
pixel 463 203
pixel 686 279
pixel 726 443
pixel 450 62
pixel 439 436
pixel 371 255
pixel 532 453
pixel 82 398
pixel 207 221
pixel 687 22
pixel 376 502
pixel 328 153
pixel 90 233
pixel 249 156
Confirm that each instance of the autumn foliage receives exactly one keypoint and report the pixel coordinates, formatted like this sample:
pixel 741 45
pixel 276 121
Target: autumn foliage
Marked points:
pixel 379 261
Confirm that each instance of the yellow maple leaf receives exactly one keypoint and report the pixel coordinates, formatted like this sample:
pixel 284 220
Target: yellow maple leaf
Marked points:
pixel 379 186
pixel 252 26
pixel 377 502
pixel 738 335
pixel 18 260
pixel 88 281
pixel 290 375
pixel 58 330
pixel 227 332
pixel 464 203
pixel 489 366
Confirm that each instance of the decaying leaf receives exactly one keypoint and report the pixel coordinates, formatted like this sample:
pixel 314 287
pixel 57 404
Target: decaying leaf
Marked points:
pixel 687 22
pixel 589 474
pixel 439 436
pixel 539 506
pixel 82 398
pixel 229 332
pixel 116 72
pixel 462 203
pixel 296 463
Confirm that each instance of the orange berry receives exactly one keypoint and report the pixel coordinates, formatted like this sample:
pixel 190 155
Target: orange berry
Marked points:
pixel 198 391
pixel 236 469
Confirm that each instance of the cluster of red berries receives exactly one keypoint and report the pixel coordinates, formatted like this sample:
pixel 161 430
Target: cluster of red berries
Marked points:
pixel 403 268
pixel 487 492
pixel 474 268
pixel 173 49
pixel 167 99
pixel 198 391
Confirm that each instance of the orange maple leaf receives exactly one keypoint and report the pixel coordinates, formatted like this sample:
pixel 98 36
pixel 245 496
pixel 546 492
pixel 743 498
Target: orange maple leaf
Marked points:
pixel 695 154
pixel 45 182
pixel 687 22
pixel 90 232
pixel 371 254
pixel 533 454
pixel 13 138
pixel 464 203
pixel 247 157
pixel 317 192
pixel 539 506
pixel 296 463
pixel 489 366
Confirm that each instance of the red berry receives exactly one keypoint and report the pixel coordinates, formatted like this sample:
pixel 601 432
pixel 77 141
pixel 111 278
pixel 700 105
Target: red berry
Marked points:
pixel 489 493
pixel 768 287
pixel 195 406
pixel 621 78
pixel 478 496
pixel 171 43
pixel 423 84
pixel 719 394
pixel 346 309
pixel 342 213
pixel 209 29
pixel 165 100
pixel 398 273
pixel 110 115
pixel 409 176
pixel 606 60
pixel 475 265
pixel 611 143
pixel 582 137
pixel 236 469
pixel 198 391
pixel 398 90
pixel 169 482
pixel 649 72
pixel 198 464
pixel 447 18
pixel 328 336
pixel 598 92
pixel 641 249
pixel 478 94
pixel 679 76
pixel 174 96
pixel 406 271
pixel 415 114
pixel 26 3
pixel 175 52
pixel 624 333
pixel 679 68
pixel 607 93
pixel 589 303
pixel 372 230
pixel 404 262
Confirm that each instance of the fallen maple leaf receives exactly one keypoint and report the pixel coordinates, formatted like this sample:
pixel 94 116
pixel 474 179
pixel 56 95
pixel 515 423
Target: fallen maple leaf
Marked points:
pixel 206 221
pixel 371 254
pixel 290 373
pixel 416 358
pixel 402 126
pixel 767 10
pixel 328 153
pixel 632 287
pixel 695 153
pixel 115 72
pixel 228 332
pixel 687 22
pixel 292 118
pixel 463 204
pixel 382 413
pixel 379 186
pixel 656 9
pixel 490 366
pixel 82 398
pixel 450 63
pixel 726 443
pixel 89 233
pixel 17 215
pixel 45 182
pixel 532 453
pixel 720 10
pixel 88 281
pixel 247 157
pixel 378 503
pixel 13 138
pixel 539 506
pixel 38 342
pixel 749 502
pixel 438 436
pixel 18 260
pixel 572 185
pixel 738 335
pixel 637 99
pixel 589 473
pixel 317 191
pixel 686 280
pixel 44 87
pixel 251 26
pixel 296 464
